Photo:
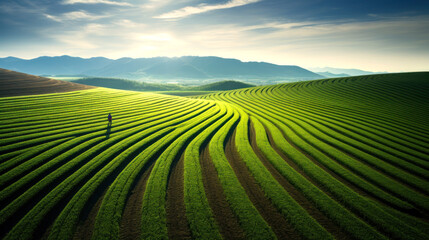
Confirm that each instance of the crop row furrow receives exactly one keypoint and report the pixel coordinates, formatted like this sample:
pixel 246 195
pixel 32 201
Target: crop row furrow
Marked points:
pixel 70 116
pixel 120 114
pixel 342 106
pixel 357 127
pixel 101 165
pixel 198 211
pixel 114 201
pixel 291 210
pixel 150 131
pixel 55 106
pixel 19 142
pixel 340 139
pixel 308 134
pixel 340 170
pixel 66 223
pixel 154 221
pixel 81 139
pixel 361 206
pixel 69 112
pixel 249 218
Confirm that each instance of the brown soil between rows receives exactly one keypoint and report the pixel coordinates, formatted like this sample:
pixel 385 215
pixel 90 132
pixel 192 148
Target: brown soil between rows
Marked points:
pixel 130 227
pixel 85 227
pixel 281 227
pixel 177 223
pixel 17 84
pixel 226 220
pixel 326 223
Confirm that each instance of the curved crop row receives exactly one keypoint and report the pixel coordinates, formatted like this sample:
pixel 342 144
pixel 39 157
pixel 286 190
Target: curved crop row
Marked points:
pixel 334 158
pixel 378 167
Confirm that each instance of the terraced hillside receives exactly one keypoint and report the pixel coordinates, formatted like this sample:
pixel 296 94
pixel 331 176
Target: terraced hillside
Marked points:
pixel 344 158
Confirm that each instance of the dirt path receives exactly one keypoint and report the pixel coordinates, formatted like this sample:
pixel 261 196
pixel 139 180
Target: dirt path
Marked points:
pixel 18 84
pixel 225 218
pixel 326 223
pixel 130 227
pixel 282 228
pixel 176 219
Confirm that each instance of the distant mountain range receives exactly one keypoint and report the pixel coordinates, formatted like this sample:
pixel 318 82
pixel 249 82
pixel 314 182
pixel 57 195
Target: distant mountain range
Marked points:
pixel 161 68
pixel 332 75
pixel 341 72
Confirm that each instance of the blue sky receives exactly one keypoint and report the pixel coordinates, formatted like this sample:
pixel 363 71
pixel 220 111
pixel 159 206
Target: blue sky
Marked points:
pixel 373 35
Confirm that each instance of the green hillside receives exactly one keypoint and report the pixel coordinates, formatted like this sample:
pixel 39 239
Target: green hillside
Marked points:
pixel 124 84
pixel 222 86
pixel 343 158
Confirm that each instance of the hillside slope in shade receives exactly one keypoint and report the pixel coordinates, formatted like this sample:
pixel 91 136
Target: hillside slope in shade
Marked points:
pixel 18 84
pixel 223 86
pixel 123 84
pixel 343 158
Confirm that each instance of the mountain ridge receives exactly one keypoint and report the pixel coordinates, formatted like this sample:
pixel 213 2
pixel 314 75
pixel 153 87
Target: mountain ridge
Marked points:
pixel 185 68
pixel 341 72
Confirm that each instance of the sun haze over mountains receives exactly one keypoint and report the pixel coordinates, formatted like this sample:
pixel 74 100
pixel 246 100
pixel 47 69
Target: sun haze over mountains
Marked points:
pixel 376 36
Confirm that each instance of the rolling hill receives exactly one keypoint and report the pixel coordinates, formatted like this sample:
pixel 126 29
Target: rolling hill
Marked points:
pixel 160 68
pixel 222 86
pixel 343 158
pixel 17 84
pixel 124 84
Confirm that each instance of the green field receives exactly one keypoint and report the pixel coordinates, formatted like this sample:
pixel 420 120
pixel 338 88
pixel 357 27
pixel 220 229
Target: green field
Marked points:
pixel 343 158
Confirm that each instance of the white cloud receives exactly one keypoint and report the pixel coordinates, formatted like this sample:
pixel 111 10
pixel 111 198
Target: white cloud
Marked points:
pixel 381 44
pixel 155 4
pixel 96 2
pixel 76 15
pixel 190 10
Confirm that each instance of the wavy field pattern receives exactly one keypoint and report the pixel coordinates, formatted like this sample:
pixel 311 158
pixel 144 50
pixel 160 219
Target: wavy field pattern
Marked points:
pixel 343 158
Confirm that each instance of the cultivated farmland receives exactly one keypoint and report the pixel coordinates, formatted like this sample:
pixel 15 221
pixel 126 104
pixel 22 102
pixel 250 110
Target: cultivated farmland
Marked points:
pixel 343 158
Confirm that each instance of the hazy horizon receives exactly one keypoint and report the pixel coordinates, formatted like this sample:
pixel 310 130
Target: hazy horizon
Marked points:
pixel 319 69
pixel 369 35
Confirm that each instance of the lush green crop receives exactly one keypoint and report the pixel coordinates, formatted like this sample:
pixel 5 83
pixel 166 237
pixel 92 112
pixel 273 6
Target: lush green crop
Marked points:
pixel 333 158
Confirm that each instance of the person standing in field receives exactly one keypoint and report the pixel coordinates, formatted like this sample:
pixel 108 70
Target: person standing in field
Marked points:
pixel 109 118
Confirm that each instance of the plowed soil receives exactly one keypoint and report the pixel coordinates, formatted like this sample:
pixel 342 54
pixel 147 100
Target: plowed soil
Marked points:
pixel 131 218
pixel 281 227
pixel 330 226
pixel 18 84
pixel 176 214
pixel 225 218
pixel 85 226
